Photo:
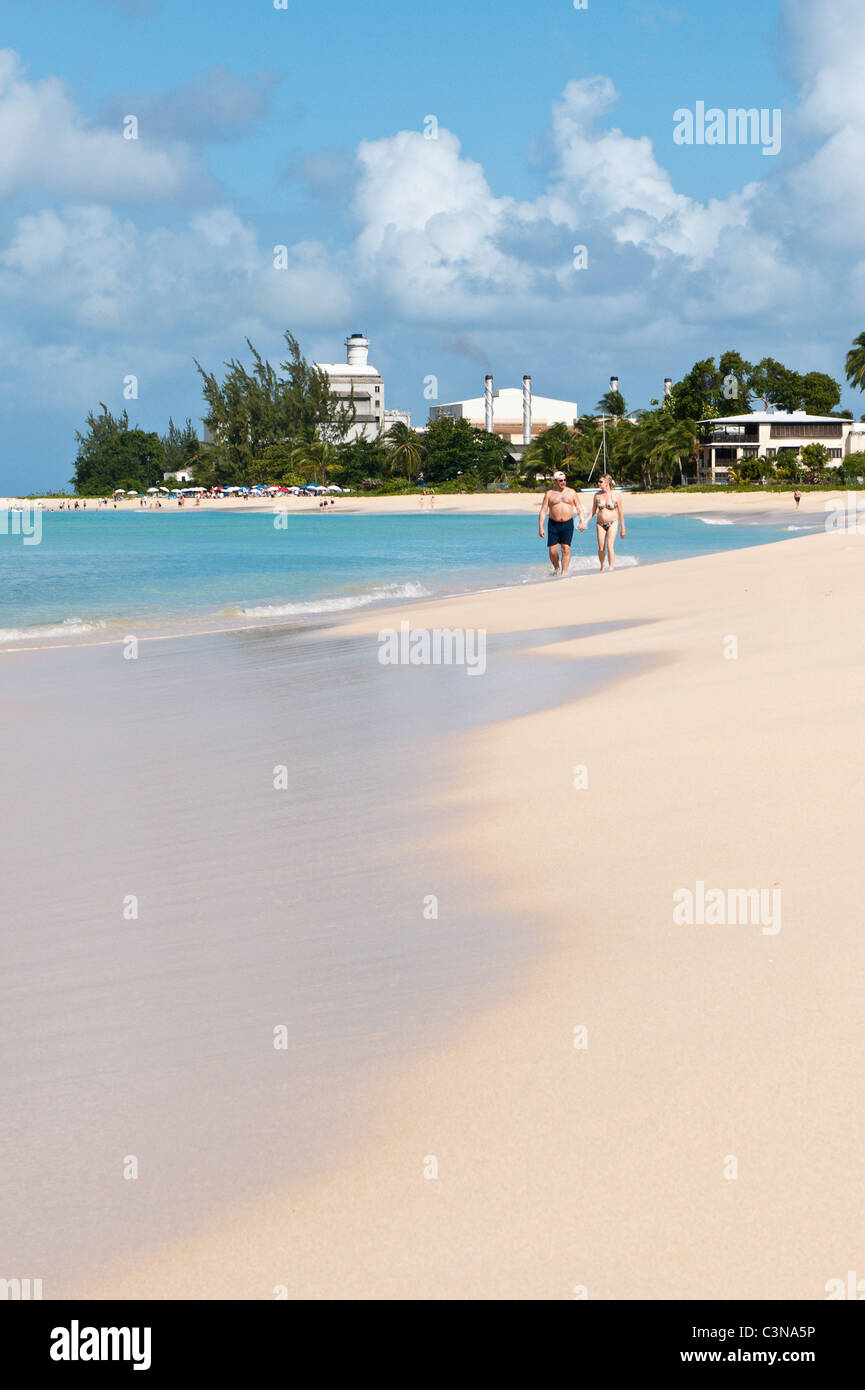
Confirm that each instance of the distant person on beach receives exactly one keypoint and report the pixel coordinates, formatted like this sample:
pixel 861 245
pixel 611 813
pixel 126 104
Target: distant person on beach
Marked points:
pixel 561 502
pixel 797 498
pixel 608 510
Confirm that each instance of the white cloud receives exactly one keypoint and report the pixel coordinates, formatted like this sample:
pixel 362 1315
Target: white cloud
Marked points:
pixel 47 146
pixel 431 244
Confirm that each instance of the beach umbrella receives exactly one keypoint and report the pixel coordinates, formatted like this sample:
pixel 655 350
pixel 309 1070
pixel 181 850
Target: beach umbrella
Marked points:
pixel 132 494
pixel 151 490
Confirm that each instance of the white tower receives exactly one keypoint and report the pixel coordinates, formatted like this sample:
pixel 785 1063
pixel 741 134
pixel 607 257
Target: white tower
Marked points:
pixel 357 349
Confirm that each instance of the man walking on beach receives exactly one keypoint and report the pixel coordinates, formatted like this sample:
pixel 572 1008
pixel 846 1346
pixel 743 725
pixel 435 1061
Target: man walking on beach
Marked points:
pixel 561 502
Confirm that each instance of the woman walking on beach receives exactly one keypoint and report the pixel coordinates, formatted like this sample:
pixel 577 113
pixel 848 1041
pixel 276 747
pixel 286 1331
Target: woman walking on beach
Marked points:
pixel 608 510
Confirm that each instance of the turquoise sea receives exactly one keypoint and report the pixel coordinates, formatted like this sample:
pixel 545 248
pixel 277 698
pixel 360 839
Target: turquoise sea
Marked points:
pixel 94 576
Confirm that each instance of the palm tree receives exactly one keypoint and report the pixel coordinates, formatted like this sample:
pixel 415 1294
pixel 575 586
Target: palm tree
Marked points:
pixel 680 440
pixel 547 453
pixel 315 455
pixel 613 403
pixel 855 364
pixel 404 448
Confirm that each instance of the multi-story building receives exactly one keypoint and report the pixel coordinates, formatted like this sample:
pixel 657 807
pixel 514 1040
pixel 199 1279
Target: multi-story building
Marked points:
pixel 356 377
pixel 728 440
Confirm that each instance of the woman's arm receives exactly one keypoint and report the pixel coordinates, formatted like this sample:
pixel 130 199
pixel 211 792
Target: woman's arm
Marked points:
pixel 621 518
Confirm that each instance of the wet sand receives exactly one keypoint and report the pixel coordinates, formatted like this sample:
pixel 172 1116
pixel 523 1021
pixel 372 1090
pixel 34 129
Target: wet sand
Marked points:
pixel 706 1143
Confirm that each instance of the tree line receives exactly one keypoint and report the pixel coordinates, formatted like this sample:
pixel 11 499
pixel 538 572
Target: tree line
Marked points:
pixel 284 425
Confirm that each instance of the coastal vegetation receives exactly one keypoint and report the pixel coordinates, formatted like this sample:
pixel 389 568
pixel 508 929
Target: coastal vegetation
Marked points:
pixel 283 425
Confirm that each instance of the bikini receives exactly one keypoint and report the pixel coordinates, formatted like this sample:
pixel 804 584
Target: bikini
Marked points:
pixel 607 507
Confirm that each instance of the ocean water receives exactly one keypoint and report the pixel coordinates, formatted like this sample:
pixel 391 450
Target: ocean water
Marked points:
pixel 96 576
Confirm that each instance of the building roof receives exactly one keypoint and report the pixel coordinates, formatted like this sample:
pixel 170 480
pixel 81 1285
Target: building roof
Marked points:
pixel 510 395
pixel 775 417
pixel 346 369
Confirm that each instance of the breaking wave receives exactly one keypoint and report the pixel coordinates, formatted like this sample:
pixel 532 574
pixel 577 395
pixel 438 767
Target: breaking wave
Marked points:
pixel 70 627
pixel 342 604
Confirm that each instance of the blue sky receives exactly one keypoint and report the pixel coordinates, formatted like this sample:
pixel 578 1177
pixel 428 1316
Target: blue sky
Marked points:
pixel 304 127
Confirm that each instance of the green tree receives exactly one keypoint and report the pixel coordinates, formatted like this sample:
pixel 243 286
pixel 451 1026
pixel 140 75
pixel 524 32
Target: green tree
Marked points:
pixel 251 409
pixel 317 456
pixel 451 448
pixel 362 460
pixel 111 455
pixel 774 384
pixel 855 363
pixel 820 393
pixel 405 453
pixel 612 403
pixel 181 447
pixel 556 448
pixel 814 458
pixel 787 466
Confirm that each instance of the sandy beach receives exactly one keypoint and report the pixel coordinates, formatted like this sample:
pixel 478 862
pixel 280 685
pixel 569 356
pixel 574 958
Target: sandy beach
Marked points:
pixel 699 1138
pixel 638 504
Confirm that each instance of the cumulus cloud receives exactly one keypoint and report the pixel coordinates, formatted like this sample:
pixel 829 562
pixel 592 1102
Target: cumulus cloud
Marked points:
pixel 327 174
pixel 828 47
pixel 47 146
pixel 96 271
pixel 214 106
pixel 426 241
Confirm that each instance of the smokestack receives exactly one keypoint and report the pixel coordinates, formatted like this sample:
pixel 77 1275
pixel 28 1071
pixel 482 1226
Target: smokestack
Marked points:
pixel 668 386
pixel 488 404
pixel 614 383
pixel 527 410
pixel 357 347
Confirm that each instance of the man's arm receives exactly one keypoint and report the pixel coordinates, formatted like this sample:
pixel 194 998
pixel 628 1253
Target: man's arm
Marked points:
pixel 545 506
pixel 579 501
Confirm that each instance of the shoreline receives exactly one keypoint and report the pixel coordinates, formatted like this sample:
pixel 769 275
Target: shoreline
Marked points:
pixel 637 503
pixel 607 1168
pixel 324 617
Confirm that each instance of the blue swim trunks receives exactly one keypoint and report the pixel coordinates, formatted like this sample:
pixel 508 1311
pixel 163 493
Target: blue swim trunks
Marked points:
pixel 560 532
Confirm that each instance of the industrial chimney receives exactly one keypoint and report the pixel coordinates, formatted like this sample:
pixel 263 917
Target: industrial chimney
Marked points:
pixel 668 386
pixel 488 404
pixel 614 383
pixel 527 410
pixel 357 347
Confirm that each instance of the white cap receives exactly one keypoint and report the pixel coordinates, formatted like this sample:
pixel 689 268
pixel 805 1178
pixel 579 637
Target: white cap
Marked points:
pixel 556 476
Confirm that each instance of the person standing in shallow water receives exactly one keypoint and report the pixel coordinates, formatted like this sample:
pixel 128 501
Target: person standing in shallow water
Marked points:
pixel 797 498
pixel 608 510
pixel 561 502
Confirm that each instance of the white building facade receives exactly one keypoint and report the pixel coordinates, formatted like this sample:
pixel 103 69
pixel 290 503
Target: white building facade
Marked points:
pixel 727 441
pixel 513 412
pixel 356 377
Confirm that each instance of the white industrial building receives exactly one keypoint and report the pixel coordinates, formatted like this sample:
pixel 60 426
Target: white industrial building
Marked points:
pixel 512 412
pixel 726 441
pixel 355 376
